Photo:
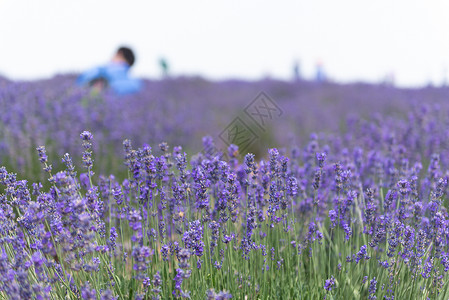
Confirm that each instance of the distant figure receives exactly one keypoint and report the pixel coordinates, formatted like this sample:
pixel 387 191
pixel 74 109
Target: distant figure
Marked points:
pixel 164 67
pixel 444 82
pixel 296 71
pixel 389 79
pixel 113 75
pixel 320 75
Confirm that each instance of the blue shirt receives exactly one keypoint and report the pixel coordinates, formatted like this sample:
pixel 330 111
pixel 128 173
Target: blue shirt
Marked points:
pixel 116 75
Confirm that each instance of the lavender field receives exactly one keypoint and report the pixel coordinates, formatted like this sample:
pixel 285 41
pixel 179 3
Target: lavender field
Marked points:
pixel 328 191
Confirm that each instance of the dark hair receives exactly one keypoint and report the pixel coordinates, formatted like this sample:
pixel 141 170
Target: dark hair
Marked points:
pixel 128 54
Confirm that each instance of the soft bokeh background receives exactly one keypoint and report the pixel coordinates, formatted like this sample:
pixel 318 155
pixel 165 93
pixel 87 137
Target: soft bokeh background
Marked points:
pixel 221 55
pixel 355 40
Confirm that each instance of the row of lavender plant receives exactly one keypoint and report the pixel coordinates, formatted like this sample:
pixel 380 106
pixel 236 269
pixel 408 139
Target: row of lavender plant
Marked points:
pixel 182 110
pixel 326 221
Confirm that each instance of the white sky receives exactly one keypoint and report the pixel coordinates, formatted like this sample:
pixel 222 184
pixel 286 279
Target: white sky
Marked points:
pixel 354 39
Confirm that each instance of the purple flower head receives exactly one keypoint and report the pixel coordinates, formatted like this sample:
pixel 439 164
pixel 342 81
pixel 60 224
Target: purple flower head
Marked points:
pixel 378 236
pixel 43 159
pixel 434 165
pixel 164 252
pixel 192 238
pixel 141 257
pixel 292 186
pixel 441 187
pixel 390 198
pixel 445 261
pixel 210 150
pixel 320 158
pixel 108 295
pixel 329 283
pixel 182 272
pixel 249 163
pixel 42 154
pixel 86 136
pixel 362 254
pixel 67 160
pixel 317 179
pixel 37 259
pixel 177 150
pixel 427 269
pixel 87 293
pixel 112 238
pixel 370 207
pixel 233 151
pixel 163 146
pixel 157 283
pixel 274 155
pixel 439 221
pixel 223 295
pixel 372 289
pixel 403 186
pixel 311 233
pixel 183 256
pixel 134 219
pixel 36 188
pixel 384 264
pixel 333 217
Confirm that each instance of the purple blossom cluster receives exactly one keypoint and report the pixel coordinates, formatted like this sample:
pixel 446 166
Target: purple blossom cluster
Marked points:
pixel 364 210
pixel 165 205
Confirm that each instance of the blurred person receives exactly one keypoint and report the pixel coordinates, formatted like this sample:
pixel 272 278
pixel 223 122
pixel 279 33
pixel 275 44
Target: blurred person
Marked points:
pixel 389 79
pixel 114 75
pixel 320 74
pixel 444 82
pixel 163 63
pixel 296 71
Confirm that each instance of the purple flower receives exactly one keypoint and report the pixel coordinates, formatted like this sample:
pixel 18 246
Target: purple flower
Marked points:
pixel 249 162
pixel 348 231
pixel 44 159
pixel 329 283
pixel 42 154
pixel 108 295
pixel 372 289
pixel 223 295
pixel 141 255
pixel 317 179
pixel 389 199
pixel 362 254
pixel 403 186
pixel 182 273
pixel 192 238
pixel 427 268
pixel 164 251
pixel 333 218
pixel 321 157
pixel 157 283
pixel 86 136
pixel 112 238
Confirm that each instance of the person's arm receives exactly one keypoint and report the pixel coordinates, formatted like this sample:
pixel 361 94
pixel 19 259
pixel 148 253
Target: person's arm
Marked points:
pixel 89 75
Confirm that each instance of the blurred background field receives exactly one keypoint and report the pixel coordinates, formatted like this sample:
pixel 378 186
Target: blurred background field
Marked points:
pixel 324 64
pixel 181 111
